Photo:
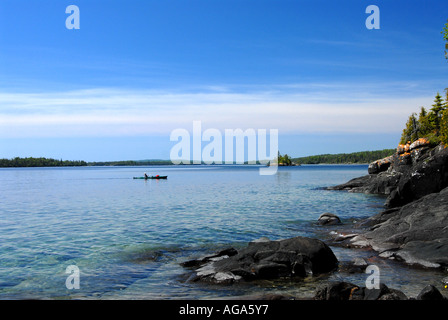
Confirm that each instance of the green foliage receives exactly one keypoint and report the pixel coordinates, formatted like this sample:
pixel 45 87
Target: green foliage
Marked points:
pixel 444 127
pixel 446 98
pixel 410 132
pixel 113 163
pixel 346 158
pixel 39 162
pixel 285 160
pixel 423 123
pixel 436 113
pixel 431 125
pixel 445 37
pixel 131 163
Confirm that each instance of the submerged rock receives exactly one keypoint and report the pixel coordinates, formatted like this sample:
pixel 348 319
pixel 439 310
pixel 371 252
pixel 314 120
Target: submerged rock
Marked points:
pixel 297 256
pixel 328 219
pixel 219 255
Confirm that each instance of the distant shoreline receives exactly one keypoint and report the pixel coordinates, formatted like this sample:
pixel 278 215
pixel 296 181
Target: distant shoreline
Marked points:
pixel 171 164
pixel 355 158
pixel 362 157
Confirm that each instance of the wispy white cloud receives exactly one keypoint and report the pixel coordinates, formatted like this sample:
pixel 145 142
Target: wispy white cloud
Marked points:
pixel 295 108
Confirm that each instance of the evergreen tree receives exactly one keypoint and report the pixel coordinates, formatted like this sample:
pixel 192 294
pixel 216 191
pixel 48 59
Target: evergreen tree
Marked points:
pixel 422 120
pixel 436 113
pixel 444 121
pixel 444 127
pixel 279 158
pixel 432 125
pixel 424 125
pixel 287 160
pixel 410 132
pixel 445 105
pixel 445 37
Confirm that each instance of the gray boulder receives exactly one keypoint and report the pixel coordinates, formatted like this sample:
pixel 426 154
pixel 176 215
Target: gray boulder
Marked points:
pixel 342 291
pixel 295 257
pixel 328 219
pixel 336 291
pixel 430 293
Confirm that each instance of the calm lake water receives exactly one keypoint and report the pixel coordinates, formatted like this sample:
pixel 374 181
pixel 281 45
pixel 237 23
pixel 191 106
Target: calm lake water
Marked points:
pixel 128 237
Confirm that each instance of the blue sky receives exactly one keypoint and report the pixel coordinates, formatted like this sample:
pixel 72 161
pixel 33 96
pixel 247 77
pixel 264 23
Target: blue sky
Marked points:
pixel 136 70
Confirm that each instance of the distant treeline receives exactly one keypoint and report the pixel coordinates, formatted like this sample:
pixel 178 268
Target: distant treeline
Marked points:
pixel 131 163
pixel 341 158
pixel 346 158
pixel 39 162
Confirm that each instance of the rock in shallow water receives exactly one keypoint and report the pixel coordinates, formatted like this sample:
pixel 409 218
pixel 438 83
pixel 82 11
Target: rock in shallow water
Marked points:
pixel 328 219
pixel 220 255
pixel 297 256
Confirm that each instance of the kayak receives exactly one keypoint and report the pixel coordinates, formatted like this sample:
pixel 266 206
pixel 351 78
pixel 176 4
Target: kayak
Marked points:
pixel 152 177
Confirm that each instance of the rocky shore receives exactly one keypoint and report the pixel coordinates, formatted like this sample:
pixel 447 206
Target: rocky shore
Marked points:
pixel 405 176
pixel 413 228
pixel 288 258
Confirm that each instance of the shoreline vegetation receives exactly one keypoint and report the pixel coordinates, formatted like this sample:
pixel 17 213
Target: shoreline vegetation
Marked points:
pixel 18 162
pixel 363 157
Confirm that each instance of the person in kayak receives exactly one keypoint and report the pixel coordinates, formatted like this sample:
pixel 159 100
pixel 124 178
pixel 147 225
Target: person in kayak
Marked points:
pixel 146 176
